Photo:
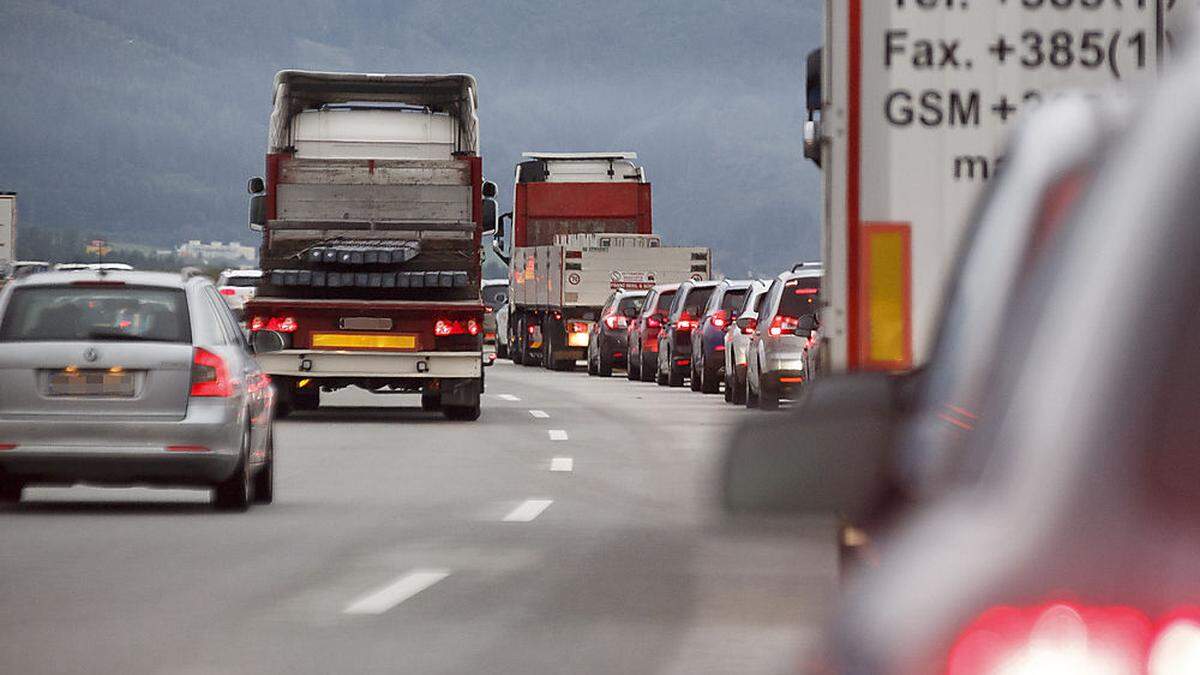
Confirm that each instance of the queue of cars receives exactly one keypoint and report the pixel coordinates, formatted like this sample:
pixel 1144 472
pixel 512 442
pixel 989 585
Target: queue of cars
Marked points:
pixel 757 340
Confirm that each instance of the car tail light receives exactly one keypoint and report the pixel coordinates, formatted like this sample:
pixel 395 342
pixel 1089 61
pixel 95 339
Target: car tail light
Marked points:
pixel 653 322
pixel 447 327
pixel 1065 638
pixel 751 324
pixel 8 446
pixel 807 291
pixel 615 321
pixel 783 325
pixel 720 319
pixel 685 322
pixel 228 291
pixel 279 324
pixel 210 376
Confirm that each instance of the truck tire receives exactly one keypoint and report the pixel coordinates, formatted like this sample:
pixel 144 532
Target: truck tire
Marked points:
pixel 526 355
pixel 462 413
pixel 431 402
pixel 675 376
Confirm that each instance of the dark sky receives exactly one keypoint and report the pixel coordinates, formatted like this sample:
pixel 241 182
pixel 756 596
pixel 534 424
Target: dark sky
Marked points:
pixel 141 119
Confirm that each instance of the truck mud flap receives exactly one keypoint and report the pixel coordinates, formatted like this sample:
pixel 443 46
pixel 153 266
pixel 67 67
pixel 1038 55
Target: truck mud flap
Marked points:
pixel 461 392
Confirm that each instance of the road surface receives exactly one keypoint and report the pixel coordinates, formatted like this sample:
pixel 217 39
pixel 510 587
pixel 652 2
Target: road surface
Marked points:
pixel 571 529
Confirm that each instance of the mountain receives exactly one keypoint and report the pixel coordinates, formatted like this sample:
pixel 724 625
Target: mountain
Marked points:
pixel 141 119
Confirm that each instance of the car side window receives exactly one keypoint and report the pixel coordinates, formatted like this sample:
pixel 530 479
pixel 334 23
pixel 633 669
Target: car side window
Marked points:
pixel 230 333
pixel 649 303
pixel 771 301
pixel 206 327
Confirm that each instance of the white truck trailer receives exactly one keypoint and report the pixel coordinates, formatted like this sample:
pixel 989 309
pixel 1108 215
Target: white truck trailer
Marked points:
pixel 908 108
pixel 8 228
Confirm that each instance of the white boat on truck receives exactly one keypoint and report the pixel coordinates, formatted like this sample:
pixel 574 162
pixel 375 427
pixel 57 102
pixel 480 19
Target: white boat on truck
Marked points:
pixel 581 229
pixel 910 105
pixel 372 212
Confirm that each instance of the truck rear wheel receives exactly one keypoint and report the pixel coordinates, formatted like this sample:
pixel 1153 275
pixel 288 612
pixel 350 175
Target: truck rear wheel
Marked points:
pixel 431 402
pixel 462 413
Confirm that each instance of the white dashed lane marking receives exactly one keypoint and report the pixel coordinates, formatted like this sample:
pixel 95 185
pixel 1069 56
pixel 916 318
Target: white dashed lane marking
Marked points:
pixel 558 434
pixel 528 510
pixel 403 588
pixel 540 414
pixel 562 464
pixel 507 397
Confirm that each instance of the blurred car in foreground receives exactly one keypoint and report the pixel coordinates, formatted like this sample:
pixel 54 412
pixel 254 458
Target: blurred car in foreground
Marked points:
pixel 643 332
pixel 495 297
pixel 708 338
pixel 675 338
pixel 608 344
pixel 1070 543
pixel 737 342
pixel 237 287
pixel 130 378
pixel 775 357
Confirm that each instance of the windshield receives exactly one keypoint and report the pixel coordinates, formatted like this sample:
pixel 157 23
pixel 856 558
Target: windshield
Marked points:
pixel 83 313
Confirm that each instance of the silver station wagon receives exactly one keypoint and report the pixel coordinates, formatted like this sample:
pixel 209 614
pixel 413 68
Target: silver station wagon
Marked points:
pixel 130 378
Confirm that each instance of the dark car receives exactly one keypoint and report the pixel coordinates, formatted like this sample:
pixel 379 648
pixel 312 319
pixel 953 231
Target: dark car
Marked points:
pixel 643 332
pixel 708 339
pixel 608 338
pixel 675 338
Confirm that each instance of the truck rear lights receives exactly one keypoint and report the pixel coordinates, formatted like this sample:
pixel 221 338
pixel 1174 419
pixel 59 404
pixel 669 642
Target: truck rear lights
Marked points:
pixel 1065 638
pixel 210 375
pixel 448 327
pixel 783 325
pixel 577 327
pixel 279 324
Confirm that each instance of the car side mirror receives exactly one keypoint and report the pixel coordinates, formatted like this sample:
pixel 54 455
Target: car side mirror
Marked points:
pixel 829 456
pixel 489 215
pixel 258 212
pixel 266 341
pixel 807 323
pixel 256 185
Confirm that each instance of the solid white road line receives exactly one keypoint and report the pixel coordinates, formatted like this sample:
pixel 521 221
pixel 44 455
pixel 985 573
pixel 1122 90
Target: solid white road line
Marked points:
pixel 540 414
pixel 562 464
pixel 528 510
pixel 507 397
pixel 558 434
pixel 383 599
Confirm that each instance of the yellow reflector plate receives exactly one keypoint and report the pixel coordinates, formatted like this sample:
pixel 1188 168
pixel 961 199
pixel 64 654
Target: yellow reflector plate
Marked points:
pixel 364 341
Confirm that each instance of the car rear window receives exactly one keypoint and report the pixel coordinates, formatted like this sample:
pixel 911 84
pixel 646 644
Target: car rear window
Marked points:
pixel 664 301
pixel 85 313
pixel 733 299
pixel 696 300
pixel 495 296
pixel 800 297
pixel 634 301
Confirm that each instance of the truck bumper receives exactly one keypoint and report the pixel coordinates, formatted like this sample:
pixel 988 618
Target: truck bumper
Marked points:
pixel 414 365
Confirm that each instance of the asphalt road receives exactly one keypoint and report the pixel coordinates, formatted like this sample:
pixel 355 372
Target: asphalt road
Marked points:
pixel 572 529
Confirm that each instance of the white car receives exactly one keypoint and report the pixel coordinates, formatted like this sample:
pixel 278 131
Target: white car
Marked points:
pixel 237 287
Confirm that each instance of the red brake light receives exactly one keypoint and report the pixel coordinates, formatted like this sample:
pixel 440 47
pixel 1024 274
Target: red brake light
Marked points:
pixel 685 322
pixel 615 321
pixel 8 446
pixel 1065 638
pixel 447 327
pixel 751 324
pixel 653 322
pixel 807 291
pixel 228 291
pixel 720 319
pixel 279 324
pixel 210 376
pixel 783 325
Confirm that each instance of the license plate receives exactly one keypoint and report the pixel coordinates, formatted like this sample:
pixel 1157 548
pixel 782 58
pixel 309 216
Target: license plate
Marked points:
pixel 364 323
pixel 363 341
pixel 91 383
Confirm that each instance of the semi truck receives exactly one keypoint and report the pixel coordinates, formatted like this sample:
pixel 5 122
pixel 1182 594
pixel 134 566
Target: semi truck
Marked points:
pixel 581 227
pixel 372 212
pixel 909 104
